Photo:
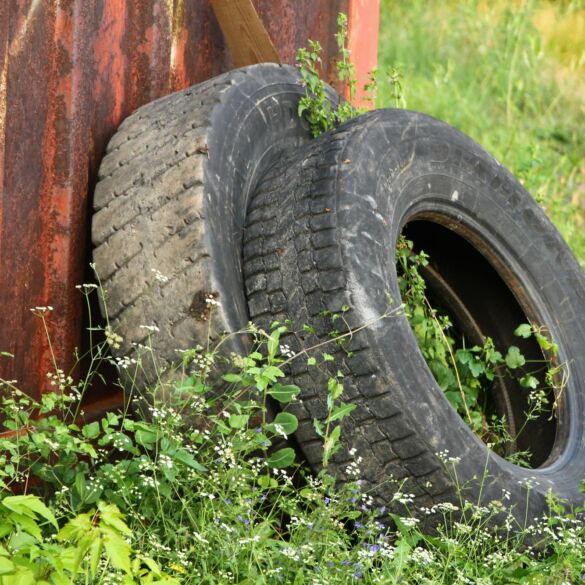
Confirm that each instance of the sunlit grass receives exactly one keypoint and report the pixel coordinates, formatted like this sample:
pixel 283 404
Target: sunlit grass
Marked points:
pixel 509 74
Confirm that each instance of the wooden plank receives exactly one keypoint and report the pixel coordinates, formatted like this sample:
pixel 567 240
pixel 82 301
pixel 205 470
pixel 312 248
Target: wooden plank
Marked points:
pixel 244 32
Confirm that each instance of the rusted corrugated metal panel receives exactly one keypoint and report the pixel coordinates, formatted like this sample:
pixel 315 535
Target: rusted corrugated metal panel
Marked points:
pixel 70 72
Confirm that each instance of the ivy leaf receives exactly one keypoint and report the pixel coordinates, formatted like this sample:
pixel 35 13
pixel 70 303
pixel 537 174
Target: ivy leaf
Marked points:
pixel 282 458
pixel 524 330
pixel 476 368
pixel 514 359
pixel 272 373
pixel 529 381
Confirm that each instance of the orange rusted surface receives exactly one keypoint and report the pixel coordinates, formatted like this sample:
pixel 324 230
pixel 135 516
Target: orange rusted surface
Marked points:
pixel 364 25
pixel 70 72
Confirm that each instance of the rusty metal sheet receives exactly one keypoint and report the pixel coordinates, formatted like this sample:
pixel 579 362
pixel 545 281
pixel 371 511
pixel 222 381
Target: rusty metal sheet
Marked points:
pixel 70 72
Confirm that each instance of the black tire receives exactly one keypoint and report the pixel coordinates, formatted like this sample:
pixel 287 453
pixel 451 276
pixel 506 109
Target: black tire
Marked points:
pixel 171 199
pixel 321 233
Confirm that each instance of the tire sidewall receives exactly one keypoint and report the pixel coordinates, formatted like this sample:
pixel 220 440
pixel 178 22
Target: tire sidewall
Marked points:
pixel 405 164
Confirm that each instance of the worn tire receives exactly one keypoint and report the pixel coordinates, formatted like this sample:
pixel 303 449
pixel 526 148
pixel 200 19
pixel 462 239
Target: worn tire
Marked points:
pixel 171 200
pixel 321 233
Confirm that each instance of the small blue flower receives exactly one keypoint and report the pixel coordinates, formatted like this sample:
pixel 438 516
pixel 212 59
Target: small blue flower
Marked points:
pixel 358 574
pixel 330 564
pixel 258 429
pixel 227 501
pixel 345 562
pixel 382 509
pixel 359 525
pixel 374 548
pixel 326 500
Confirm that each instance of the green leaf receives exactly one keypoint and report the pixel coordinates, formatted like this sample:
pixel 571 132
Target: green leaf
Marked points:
pixel 529 381
pixel 232 378
pixel 341 411
pixel 146 438
pixel 272 373
pixel 282 458
pixel 95 555
pixel 117 549
pixel 514 359
pixel 111 515
pixel 287 421
pixel 283 394
pixel 546 344
pixel 30 506
pixel 238 421
pixel 476 368
pixel 311 361
pixel 76 528
pixel 318 427
pixel 524 330
pixel 186 458
pixel 91 431
pixel 7 567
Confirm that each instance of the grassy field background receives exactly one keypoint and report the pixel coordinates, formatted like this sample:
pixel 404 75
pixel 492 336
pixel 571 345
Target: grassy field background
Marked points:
pixel 509 74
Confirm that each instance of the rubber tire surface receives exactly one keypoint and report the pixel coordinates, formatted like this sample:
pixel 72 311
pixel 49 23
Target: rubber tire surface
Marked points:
pixel 171 201
pixel 321 233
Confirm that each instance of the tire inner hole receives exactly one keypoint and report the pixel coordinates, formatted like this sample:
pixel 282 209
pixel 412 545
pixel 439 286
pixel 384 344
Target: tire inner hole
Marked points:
pixel 462 284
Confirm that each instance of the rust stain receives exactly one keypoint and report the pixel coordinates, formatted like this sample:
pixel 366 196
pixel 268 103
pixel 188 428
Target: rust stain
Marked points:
pixel 70 72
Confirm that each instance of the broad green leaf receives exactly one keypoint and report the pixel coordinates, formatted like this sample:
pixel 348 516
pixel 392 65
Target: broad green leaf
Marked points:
pixel 111 515
pixel 272 373
pixel 287 421
pixel 95 555
pixel 6 566
pixel 524 330
pixel 238 421
pixel 117 549
pixel 232 378
pixel 187 459
pixel 282 458
pixel 76 528
pixel 529 381
pixel 514 359
pixel 146 438
pixel 30 506
pixel 91 431
pixel 284 394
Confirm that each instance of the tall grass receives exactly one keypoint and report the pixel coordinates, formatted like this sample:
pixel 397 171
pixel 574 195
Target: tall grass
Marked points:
pixel 509 74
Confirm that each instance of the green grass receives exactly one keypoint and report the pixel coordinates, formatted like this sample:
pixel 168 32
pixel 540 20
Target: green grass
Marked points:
pixel 512 76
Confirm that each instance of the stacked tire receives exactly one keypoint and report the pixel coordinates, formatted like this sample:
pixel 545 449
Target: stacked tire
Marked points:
pixel 221 189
